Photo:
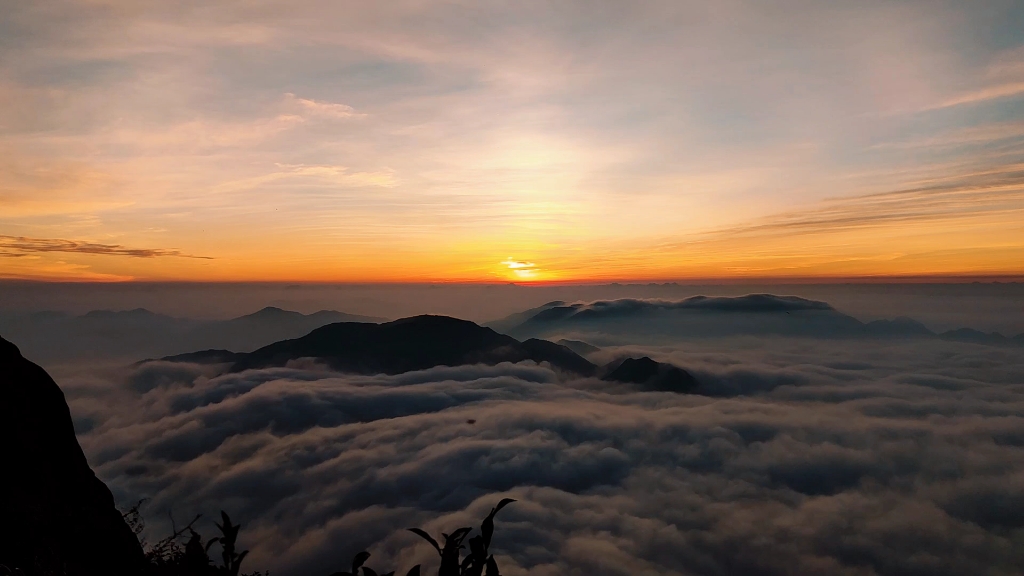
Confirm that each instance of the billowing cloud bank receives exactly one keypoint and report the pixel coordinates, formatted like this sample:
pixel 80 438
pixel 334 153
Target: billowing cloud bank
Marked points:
pixel 850 458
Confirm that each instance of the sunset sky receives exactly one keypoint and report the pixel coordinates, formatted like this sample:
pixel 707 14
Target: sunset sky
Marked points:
pixel 317 140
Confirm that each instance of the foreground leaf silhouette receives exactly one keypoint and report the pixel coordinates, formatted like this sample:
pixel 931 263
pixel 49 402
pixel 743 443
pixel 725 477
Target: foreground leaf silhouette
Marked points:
pixel 358 561
pixel 479 561
pixel 229 534
pixel 479 557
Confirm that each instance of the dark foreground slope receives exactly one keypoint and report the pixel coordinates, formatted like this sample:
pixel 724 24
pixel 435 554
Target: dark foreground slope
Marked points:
pixel 415 343
pixel 58 518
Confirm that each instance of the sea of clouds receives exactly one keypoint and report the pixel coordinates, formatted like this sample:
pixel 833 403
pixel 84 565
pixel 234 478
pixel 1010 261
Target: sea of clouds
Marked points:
pixel 800 456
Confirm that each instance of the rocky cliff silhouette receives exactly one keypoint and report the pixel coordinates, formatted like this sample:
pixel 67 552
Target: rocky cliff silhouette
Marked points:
pixel 58 517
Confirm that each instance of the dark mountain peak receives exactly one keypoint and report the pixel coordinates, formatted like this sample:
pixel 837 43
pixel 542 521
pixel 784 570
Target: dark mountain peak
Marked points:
pixel 203 357
pixel 275 314
pixel 326 314
pixel 414 343
pixel 900 326
pixel 634 370
pixel 973 336
pixel 431 330
pixel 555 313
pixel 558 355
pixel 56 512
pixel 695 317
pixel 269 312
pixel 510 322
pixel 579 346
pixel 435 321
pixel 652 375
pixel 634 307
pixel 135 313
pixel 750 303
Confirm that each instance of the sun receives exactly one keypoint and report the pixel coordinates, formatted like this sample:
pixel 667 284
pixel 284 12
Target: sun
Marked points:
pixel 520 269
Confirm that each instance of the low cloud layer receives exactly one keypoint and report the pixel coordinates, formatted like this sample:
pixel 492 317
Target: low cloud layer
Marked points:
pixel 799 457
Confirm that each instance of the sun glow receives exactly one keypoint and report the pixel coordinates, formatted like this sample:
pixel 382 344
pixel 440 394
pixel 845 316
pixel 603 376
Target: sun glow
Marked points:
pixel 522 270
pixel 425 161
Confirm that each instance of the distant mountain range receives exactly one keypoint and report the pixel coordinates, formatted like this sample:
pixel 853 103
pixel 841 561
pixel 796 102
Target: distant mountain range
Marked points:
pixel 636 321
pixel 140 333
pixel 133 335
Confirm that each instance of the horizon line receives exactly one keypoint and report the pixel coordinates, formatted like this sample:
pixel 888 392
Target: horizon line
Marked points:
pixel 706 281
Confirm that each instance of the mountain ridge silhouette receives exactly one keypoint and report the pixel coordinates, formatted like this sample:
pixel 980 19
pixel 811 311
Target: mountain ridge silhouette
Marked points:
pixel 414 343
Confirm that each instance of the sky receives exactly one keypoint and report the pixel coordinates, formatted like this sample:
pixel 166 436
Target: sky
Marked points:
pixel 485 141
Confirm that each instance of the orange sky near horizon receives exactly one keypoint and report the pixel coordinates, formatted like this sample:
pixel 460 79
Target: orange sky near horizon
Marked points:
pixel 468 142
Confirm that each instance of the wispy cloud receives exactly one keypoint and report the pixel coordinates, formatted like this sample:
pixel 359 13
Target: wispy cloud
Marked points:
pixel 1002 78
pixel 983 135
pixel 17 246
pixel 983 95
pixel 998 190
pixel 306 106
pixel 322 175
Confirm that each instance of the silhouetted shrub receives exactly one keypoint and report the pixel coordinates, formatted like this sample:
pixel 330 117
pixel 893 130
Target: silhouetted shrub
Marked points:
pixel 184 552
pixel 475 563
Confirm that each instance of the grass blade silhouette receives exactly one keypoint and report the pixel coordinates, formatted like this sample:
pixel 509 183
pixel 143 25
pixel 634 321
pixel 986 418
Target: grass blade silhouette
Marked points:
pixel 487 528
pixel 359 560
pixel 428 538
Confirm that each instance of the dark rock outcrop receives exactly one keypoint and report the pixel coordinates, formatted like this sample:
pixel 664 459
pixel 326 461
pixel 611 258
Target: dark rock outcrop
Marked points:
pixel 651 375
pixel 58 517
pixel 415 343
